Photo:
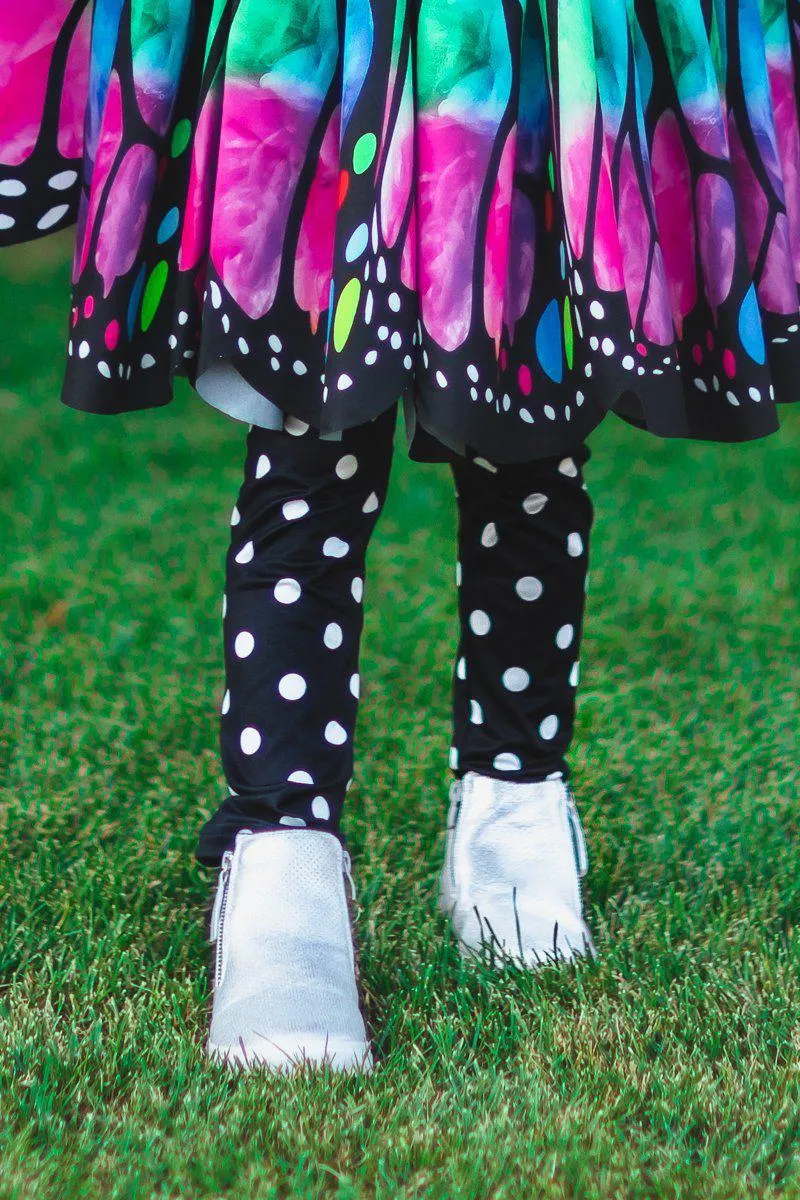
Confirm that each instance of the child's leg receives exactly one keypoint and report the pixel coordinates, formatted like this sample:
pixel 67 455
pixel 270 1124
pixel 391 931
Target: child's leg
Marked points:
pixel 292 627
pixel 524 552
pixel 515 853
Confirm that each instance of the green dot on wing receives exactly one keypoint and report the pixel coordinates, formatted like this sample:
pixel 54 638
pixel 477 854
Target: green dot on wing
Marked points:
pixel 364 152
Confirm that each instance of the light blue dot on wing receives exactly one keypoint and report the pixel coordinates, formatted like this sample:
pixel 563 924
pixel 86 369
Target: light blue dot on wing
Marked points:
pixel 358 243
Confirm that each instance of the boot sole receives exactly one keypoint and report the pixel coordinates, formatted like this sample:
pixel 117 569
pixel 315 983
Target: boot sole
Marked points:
pixel 571 943
pixel 294 1055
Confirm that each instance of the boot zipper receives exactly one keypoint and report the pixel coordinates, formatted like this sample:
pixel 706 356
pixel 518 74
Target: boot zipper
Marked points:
pixel 453 828
pixel 456 798
pixel 578 839
pixel 348 874
pixel 218 913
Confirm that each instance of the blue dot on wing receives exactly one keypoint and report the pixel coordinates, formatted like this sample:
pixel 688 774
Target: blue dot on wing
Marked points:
pixel 135 299
pixel 168 226
pixel 549 348
pixel 751 330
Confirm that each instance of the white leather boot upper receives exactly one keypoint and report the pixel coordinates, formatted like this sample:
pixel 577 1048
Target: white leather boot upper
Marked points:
pixel 514 861
pixel 285 991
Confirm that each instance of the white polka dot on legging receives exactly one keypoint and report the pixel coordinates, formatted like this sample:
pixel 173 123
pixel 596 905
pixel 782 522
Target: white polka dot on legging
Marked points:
pixel 320 808
pixel 480 622
pixel 287 591
pixel 574 545
pixel 507 762
pixel 263 466
pixel 293 510
pixel 236 516
pixel 516 679
pixel 489 537
pixel 475 713
pixel 333 636
pixel 347 466
pixel 335 547
pixel 301 777
pixel 575 674
pixel 549 728
pixel 453 759
pixel 335 733
pixel 293 822
pixel 567 467
pixel 461 668
pixel 295 426
pixel 292 687
pixel 565 637
pixel 357 589
pixel 534 503
pixel 371 504
pixel 226 704
pixel 250 740
pixel 244 644
pixel 529 587
pixel 246 554
pixel 355 685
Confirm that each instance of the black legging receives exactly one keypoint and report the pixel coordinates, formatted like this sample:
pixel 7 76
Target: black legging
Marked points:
pixel 294 615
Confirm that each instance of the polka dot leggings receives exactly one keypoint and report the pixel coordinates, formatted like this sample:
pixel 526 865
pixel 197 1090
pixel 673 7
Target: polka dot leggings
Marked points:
pixel 293 618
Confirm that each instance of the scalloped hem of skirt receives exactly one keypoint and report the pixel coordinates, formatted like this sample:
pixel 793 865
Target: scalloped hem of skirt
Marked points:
pixel 222 385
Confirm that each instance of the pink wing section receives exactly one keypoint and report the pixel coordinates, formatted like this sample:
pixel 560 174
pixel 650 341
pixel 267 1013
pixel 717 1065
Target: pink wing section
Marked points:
pixel 784 100
pixel 75 92
pixel 453 162
pixel 576 163
pixel 125 215
pixel 636 245
pixel 108 144
pixel 635 242
pixel 264 143
pixel 716 230
pixel 29 30
pixel 672 190
pixel 498 234
pixel 315 247
pixel 607 249
pixel 200 195
pixel 777 289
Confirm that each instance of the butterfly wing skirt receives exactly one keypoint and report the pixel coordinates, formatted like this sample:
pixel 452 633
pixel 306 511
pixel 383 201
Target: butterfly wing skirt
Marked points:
pixel 514 215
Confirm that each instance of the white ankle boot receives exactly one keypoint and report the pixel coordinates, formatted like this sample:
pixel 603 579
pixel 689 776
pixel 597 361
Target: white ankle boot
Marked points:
pixel 511 880
pixel 285 992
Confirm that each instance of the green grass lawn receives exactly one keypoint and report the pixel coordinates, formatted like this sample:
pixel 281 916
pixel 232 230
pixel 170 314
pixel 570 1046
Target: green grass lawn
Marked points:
pixel 671 1068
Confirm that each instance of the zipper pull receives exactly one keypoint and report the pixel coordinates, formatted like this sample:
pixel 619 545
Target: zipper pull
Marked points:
pixel 456 790
pixel 578 838
pixel 348 872
pixel 222 887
